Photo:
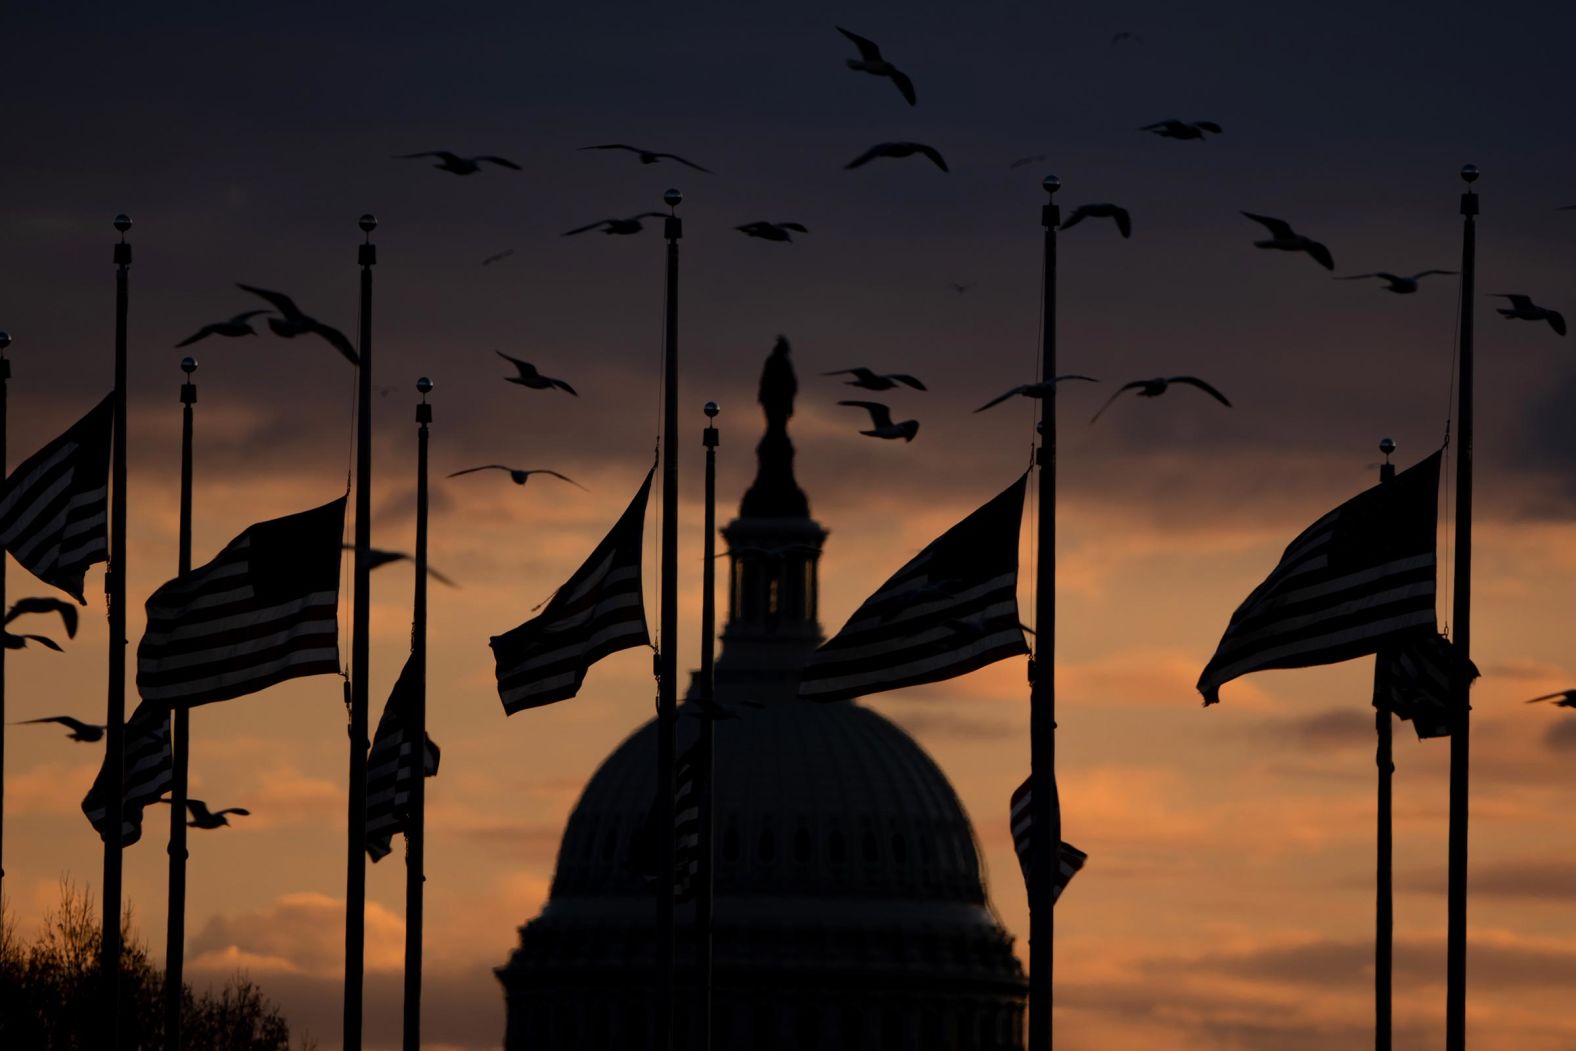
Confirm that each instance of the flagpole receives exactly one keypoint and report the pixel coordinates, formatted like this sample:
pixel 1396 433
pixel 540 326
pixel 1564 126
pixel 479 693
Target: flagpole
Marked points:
pixel 1460 619
pixel 356 820
pixel 1044 804
pixel 5 387
pixel 416 823
pixel 114 741
pixel 668 617
pixel 175 923
pixel 707 695
pixel 1384 893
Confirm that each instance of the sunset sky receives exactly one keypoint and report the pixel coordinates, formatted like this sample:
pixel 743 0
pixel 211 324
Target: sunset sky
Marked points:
pixel 1227 903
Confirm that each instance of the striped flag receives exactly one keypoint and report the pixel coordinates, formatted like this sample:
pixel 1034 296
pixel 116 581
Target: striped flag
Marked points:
pixel 1347 586
pixel 390 765
pixel 263 611
pixel 598 611
pixel 1071 859
pixel 1412 679
pixel 52 507
pixel 148 771
pixel 953 608
pixel 686 832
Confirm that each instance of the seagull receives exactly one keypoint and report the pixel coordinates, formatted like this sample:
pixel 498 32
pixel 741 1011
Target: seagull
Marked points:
pixel 863 377
pixel 236 326
pixel 498 256
pixel 1156 387
pixel 24 606
pixel 1525 309
pixel 1021 161
pixel 1124 221
pixel 1282 236
pixel 529 377
pixel 881 422
pixel 1179 129
pixel 1404 286
pixel 295 322
pixel 649 156
pixel 80 731
pixel 898 150
pixel 457 165
pixel 771 231
pixel 632 225
pixel 377 557
pixel 870 61
pixel 202 817
pixel 1562 699
pixel 1034 390
pixel 1117 38
pixel 519 476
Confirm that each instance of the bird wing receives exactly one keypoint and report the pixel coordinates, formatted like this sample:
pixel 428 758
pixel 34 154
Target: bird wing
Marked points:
pixel 555 474
pixel 878 150
pixel 867 48
pixel 442 155
pixel 505 254
pixel 1079 214
pixel 797 227
pixel 1126 386
pixel 753 229
pixel 1517 300
pixel 202 333
pixel 880 415
pixel 42 640
pixel 934 154
pixel 1278 228
pixel 1019 389
pixel 38 604
pixel 1557 695
pixel 842 372
pixel 502 162
pixel 525 368
pixel 1425 273
pixel 483 467
pixel 589 226
pixel 441 578
pixel 1075 376
pixel 198 808
pixel 1207 125
pixel 1160 125
pixel 903 377
pixel 237 319
pixel 234 810
pixel 904 85
pixel 281 302
pixel 335 339
pixel 1194 381
pixel 561 385
pixel 1556 320
pixel 65 720
pixel 1124 221
pixel 1321 254
pixel 1359 277
pixel 614 146
pixel 681 160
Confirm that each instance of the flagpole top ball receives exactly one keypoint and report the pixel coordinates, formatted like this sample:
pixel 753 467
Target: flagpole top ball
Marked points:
pixel 1387 445
pixel 368 223
pixel 1051 183
pixel 123 222
pixel 188 365
pixel 711 410
pixel 424 385
pixel 672 198
pixel 1469 173
pixel 5 340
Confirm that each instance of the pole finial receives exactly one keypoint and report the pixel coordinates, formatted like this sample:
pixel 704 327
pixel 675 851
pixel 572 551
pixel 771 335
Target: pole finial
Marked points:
pixel 1469 173
pixel 711 410
pixel 672 198
pixel 1387 446
pixel 123 223
pixel 5 340
pixel 424 385
pixel 1051 183
pixel 188 365
pixel 368 223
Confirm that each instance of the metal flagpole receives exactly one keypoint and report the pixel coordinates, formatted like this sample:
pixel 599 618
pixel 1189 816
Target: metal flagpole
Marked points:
pixel 706 689
pixel 1044 805
pixel 1384 893
pixel 1460 619
pixel 356 819
pixel 416 734
pixel 5 385
pixel 175 923
pixel 115 736
pixel 668 617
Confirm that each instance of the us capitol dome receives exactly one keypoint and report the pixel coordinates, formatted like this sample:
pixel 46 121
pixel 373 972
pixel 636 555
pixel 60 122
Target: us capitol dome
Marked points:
pixel 849 910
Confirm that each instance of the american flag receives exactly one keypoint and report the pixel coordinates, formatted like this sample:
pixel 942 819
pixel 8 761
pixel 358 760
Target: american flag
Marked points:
pixel 686 832
pixel 1070 859
pixel 389 766
pixel 263 611
pixel 52 507
pixel 1412 679
pixel 148 771
pixel 953 608
pixel 1350 584
pixel 598 611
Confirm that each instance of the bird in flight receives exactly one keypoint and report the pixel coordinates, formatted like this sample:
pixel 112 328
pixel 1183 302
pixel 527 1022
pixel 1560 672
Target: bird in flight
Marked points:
pixel 870 61
pixel 1283 237
pixel 80 731
pixel 25 606
pixel 294 322
pixel 881 425
pixel 771 231
pixel 897 151
pixel 1035 390
pixel 1124 221
pixel 498 257
pixel 1524 309
pixel 202 817
pixel 236 326
pixel 518 475
pixel 377 557
pixel 863 377
pixel 1156 387
pixel 632 225
pixel 1397 283
pixel 1181 129
pixel 1021 161
pixel 529 377
pixel 457 165
pixel 1562 699
pixel 649 156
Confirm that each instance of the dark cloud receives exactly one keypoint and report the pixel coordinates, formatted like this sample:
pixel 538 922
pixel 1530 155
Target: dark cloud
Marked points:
pixel 1549 880
pixel 1561 737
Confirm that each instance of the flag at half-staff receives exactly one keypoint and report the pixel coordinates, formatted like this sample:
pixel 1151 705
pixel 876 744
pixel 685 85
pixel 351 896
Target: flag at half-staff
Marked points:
pixel 1070 858
pixel 149 770
pixel 599 610
pixel 391 766
pixel 263 611
pixel 953 608
pixel 644 850
pixel 1358 579
pixel 1413 680
pixel 53 507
